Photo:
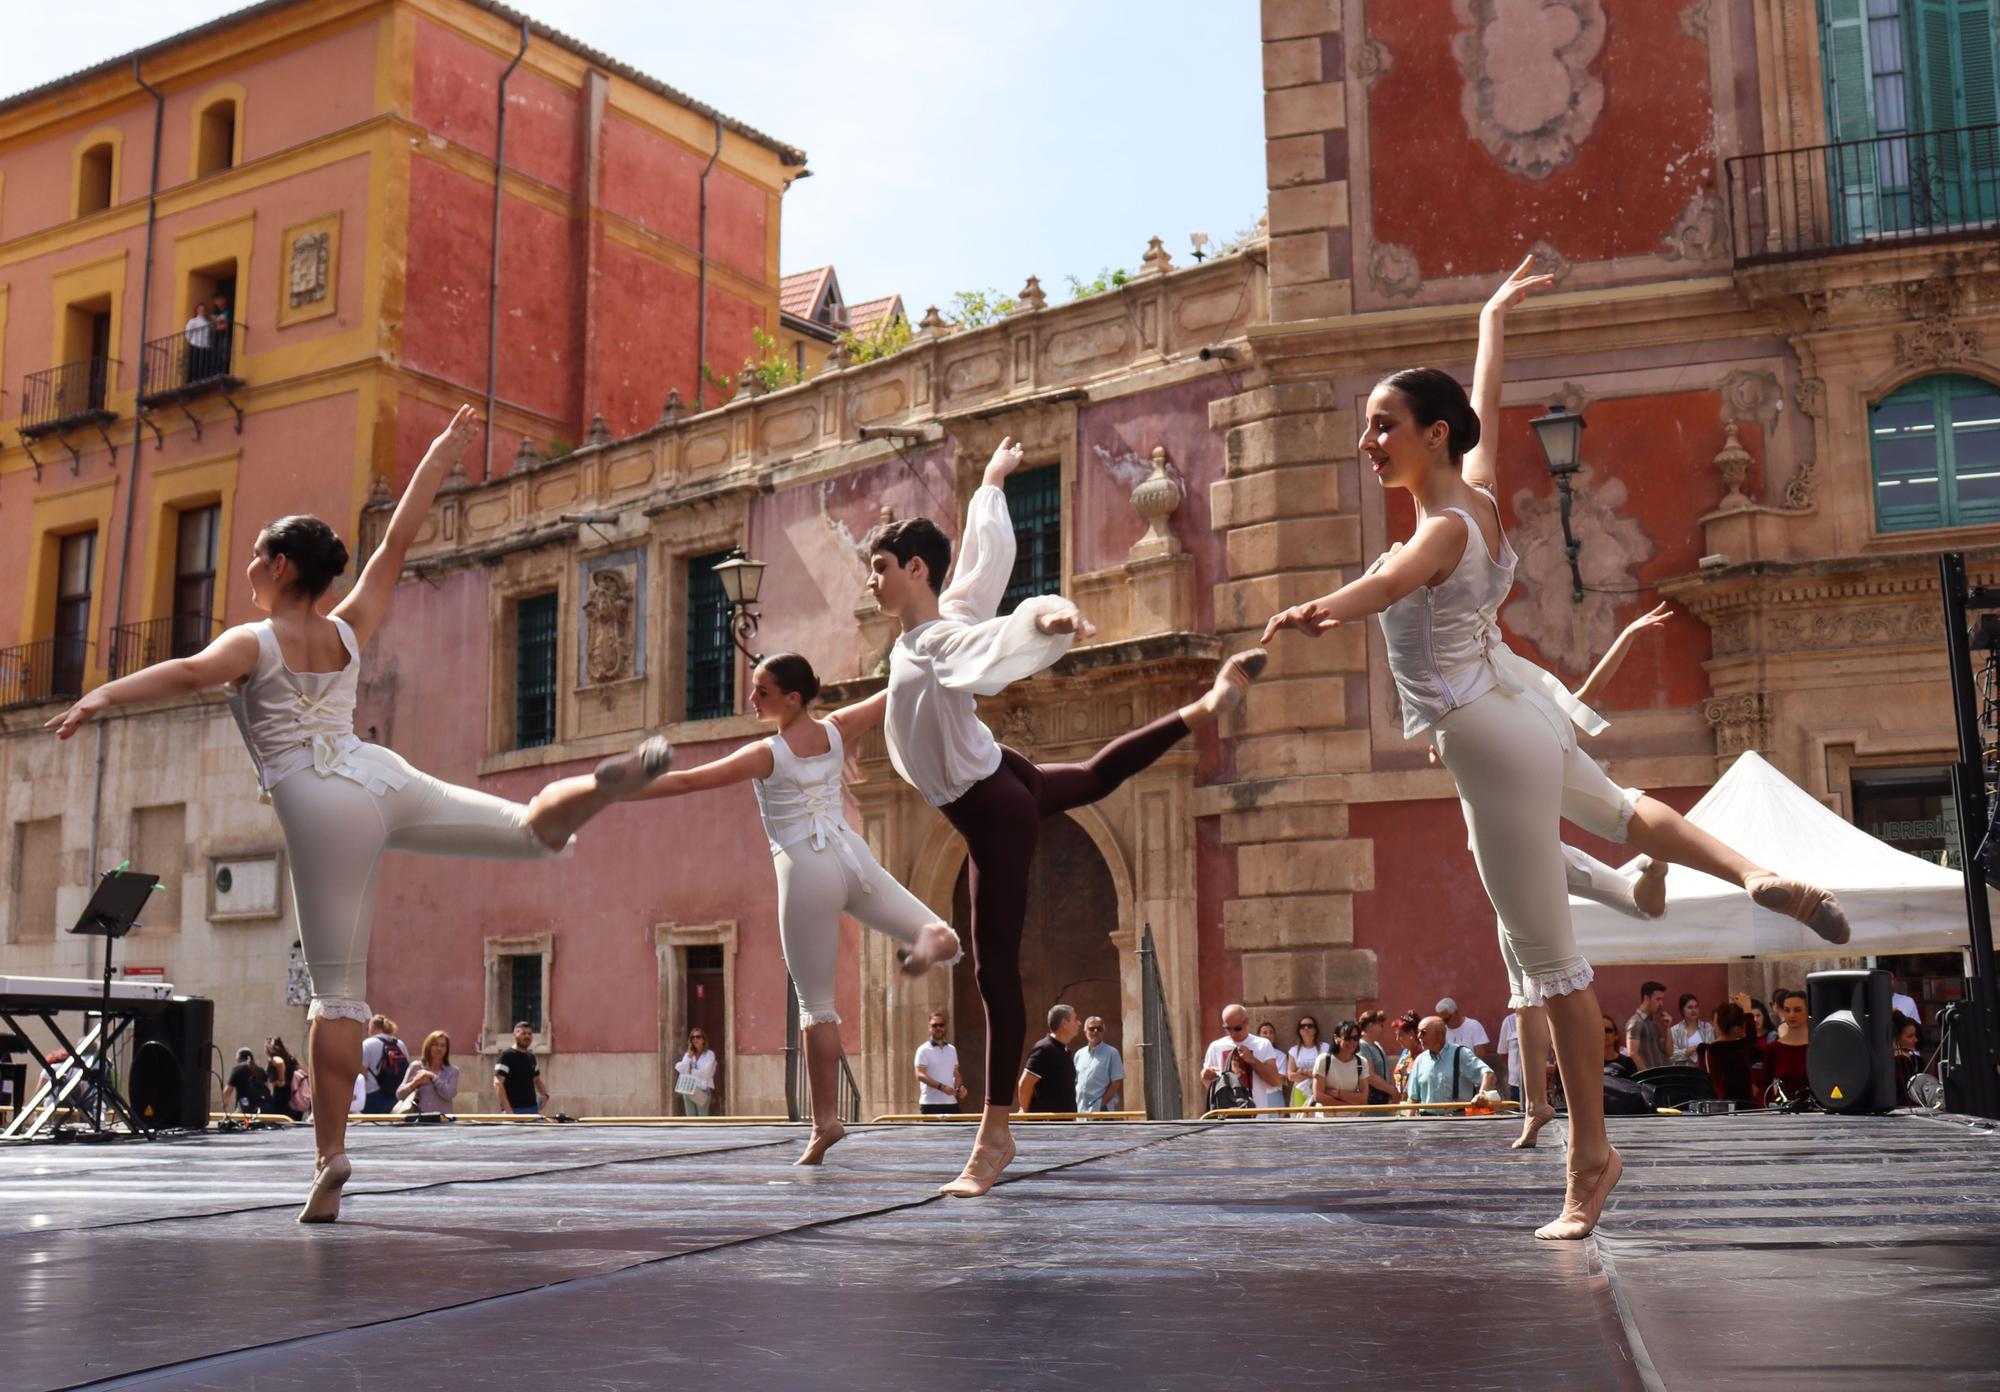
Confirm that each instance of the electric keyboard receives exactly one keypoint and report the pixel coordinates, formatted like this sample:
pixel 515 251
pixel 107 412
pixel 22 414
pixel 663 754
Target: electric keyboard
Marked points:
pixel 29 994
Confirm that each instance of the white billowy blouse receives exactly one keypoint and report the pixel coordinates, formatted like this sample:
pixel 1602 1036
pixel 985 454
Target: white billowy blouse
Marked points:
pixel 935 737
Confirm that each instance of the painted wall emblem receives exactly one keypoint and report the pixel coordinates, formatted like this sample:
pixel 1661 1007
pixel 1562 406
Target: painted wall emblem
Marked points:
pixel 612 618
pixel 308 280
pixel 1529 95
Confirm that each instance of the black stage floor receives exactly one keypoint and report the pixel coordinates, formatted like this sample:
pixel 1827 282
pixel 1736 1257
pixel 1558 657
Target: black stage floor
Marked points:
pixel 1753 1251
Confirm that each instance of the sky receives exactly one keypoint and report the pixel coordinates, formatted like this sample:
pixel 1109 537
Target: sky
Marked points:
pixel 954 146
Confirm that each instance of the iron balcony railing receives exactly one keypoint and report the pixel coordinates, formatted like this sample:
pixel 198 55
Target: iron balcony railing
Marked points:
pixel 1922 186
pixel 190 362
pixel 51 670
pixel 142 644
pixel 73 394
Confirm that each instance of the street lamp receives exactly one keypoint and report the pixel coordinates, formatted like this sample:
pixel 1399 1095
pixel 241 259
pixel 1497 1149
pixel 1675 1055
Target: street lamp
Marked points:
pixel 1561 434
pixel 741 579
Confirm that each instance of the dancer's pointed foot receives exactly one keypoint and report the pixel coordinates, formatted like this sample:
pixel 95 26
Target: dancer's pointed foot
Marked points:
pixel 983 1169
pixel 1231 682
pixel 824 1138
pixel 1532 1124
pixel 329 1176
pixel 1649 888
pixel 936 946
pixel 622 775
pixel 1809 904
pixel 1583 1202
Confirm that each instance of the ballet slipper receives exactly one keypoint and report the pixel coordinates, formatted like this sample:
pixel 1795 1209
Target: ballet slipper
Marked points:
pixel 1809 904
pixel 1584 1204
pixel 1531 1126
pixel 936 946
pixel 621 775
pixel 982 1171
pixel 1649 888
pixel 1235 677
pixel 329 1178
pixel 822 1141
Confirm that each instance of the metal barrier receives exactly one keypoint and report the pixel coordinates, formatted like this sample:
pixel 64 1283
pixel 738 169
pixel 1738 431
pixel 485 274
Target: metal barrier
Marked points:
pixel 900 1117
pixel 142 644
pixel 50 670
pixel 71 394
pixel 798 1087
pixel 1408 1109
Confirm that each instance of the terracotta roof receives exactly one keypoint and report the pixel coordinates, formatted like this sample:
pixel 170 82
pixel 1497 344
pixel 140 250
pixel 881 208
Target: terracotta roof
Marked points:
pixel 799 293
pixel 791 154
pixel 865 318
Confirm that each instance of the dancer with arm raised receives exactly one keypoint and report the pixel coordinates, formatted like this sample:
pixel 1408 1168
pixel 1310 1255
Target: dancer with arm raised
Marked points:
pixel 956 646
pixel 824 867
pixel 341 802
pixel 1506 729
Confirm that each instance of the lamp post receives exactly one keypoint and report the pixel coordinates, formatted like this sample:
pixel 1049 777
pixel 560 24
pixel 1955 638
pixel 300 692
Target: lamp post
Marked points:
pixel 1561 434
pixel 741 578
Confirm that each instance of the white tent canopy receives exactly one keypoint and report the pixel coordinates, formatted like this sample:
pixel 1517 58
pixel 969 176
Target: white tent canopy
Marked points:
pixel 1895 901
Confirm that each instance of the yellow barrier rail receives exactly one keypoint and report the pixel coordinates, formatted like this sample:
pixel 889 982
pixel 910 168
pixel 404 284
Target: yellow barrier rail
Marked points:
pixel 898 1117
pixel 1411 1109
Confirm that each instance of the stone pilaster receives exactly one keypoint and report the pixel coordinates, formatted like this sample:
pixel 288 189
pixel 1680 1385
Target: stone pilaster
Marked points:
pixel 1305 153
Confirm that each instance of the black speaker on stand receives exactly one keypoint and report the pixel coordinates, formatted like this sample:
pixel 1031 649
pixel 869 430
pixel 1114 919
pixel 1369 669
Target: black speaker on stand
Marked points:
pixel 169 1079
pixel 1850 1050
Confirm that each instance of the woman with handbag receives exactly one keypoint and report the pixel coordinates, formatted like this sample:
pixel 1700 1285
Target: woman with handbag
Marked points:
pixel 695 1085
pixel 432 1081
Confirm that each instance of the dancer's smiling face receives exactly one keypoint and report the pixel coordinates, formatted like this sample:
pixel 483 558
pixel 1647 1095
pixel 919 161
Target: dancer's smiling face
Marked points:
pixel 768 701
pixel 1392 443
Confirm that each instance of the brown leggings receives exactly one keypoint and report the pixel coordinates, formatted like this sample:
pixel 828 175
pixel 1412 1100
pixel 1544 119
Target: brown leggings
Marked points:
pixel 1000 818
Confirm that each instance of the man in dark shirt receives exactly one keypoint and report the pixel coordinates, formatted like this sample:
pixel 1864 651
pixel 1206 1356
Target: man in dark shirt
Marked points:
pixel 1048 1082
pixel 517 1079
pixel 246 1089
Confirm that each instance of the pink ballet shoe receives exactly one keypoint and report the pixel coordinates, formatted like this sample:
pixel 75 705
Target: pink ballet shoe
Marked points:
pixel 1649 888
pixel 1584 1204
pixel 329 1178
pixel 1809 904
pixel 1234 679
pixel 982 1171
pixel 621 775
pixel 1531 1126
pixel 936 946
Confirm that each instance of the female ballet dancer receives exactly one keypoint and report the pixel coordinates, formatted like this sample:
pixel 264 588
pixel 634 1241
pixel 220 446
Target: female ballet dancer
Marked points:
pixel 291 682
pixel 954 647
pixel 1503 728
pixel 824 867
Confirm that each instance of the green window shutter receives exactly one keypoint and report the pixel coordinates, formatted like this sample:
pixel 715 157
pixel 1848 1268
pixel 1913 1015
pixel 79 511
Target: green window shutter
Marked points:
pixel 1850 116
pixel 1969 418
pixel 1978 43
pixel 1935 446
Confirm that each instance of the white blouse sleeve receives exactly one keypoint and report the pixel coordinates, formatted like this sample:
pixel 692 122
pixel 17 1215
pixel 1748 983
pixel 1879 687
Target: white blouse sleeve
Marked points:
pixel 985 560
pixel 986 658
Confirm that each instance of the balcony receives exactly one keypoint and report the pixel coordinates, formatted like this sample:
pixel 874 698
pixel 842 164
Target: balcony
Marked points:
pixel 142 644
pixel 179 372
pixel 62 398
pixel 1891 190
pixel 35 673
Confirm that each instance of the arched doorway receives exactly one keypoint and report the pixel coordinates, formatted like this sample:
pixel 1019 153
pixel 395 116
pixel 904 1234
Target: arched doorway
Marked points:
pixel 1066 949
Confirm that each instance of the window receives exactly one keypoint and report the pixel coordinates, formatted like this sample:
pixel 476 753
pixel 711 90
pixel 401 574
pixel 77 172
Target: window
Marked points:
pixel 1936 450
pixel 524 988
pixel 159 848
pixel 1034 499
pixel 37 872
pixel 210 346
pixel 711 653
pixel 194 579
pixel 95 180
pixel 75 564
pixel 215 138
pixel 535 671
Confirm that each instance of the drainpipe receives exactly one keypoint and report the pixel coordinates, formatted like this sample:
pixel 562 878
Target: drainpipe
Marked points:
pixel 701 284
pixel 132 474
pixel 493 271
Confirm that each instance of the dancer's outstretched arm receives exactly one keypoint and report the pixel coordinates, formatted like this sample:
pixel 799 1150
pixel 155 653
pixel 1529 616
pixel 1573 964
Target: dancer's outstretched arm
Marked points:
pixel 1480 467
pixel 856 720
pixel 751 761
pixel 1621 647
pixel 368 604
pixel 1427 556
pixel 231 657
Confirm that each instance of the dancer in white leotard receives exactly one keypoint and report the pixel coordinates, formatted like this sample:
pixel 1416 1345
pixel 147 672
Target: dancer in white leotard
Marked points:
pixel 291 682
pixel 824 867
pixel 1504 728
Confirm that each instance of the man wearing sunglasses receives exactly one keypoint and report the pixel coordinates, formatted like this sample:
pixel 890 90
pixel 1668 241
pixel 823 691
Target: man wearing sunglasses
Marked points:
pixel 1100 1073
pixel 1252 1057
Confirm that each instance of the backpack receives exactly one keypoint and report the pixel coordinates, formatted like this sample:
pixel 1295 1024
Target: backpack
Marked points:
pixel 302 1092
pixel 395 1063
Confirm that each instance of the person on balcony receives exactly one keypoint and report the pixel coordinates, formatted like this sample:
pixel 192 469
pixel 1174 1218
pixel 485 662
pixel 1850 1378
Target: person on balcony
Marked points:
pixel 199 331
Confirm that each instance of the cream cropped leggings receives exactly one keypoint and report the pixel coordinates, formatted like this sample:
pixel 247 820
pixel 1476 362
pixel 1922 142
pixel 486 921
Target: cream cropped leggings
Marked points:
pixel 815 887
pixel 1520 774
pixel 335 833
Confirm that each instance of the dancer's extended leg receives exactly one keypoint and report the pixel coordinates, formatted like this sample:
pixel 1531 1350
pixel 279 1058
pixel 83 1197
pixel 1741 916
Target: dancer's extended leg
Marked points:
pixel 823 1080
pixel 1594 1166
pixel 334 1048
pixel 559 810
pixel 1665 835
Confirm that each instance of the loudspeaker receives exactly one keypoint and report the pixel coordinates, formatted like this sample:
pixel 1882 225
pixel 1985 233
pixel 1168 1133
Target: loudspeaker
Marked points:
pixel 1850 1053
pixel 169 1080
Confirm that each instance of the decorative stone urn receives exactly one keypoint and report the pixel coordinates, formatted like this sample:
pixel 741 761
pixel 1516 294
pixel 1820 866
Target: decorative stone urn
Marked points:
pixel 1155 498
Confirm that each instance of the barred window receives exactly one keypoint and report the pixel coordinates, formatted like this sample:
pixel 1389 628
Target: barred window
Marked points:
pixel 1935 445
pixel 1034 500
pixel 524 989
pixel 711 655
pixel 535 671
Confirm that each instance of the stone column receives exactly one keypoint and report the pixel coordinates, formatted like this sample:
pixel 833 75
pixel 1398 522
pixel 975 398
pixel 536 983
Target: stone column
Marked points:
pixel 1305 159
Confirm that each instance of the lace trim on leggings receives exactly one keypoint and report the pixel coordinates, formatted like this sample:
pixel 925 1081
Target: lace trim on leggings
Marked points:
pixel 339 1008
pixel 1625 811
pixel 1554 984
pixel 808 1018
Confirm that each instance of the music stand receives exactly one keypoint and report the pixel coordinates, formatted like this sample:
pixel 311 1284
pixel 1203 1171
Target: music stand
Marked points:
pixel 113 911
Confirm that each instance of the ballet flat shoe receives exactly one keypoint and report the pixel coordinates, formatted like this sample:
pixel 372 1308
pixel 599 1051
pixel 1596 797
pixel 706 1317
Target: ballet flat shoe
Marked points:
pixel 323 1203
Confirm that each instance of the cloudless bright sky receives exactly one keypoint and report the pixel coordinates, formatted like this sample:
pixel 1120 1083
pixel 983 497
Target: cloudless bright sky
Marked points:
pixel 953 146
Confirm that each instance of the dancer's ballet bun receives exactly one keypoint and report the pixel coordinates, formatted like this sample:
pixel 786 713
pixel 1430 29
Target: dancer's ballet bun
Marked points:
pixel 316 553
pixel 794 676
pixel 1435 395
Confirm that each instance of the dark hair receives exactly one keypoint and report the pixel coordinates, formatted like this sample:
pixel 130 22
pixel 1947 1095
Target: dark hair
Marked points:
pixel 1435 395
pixel 1761 1011
pixel 914 538
pixel 316 553
pixel 1687 996
pixel 1728 1016
pixel 1369 1017
pixel 1407 1021
pixel 793 674
pixel 1780 995
pixel 1649 988
pixel 1898 1023
pixel 524 1025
